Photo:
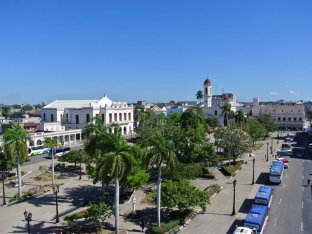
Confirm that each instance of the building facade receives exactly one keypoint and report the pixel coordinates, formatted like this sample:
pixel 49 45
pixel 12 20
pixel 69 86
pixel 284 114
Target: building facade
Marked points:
pixel 287 115
pixel 76 114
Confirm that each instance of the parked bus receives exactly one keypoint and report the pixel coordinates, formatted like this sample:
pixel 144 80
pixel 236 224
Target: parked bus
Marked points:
pixel 256 218
pixel 264 196
pixel 276 172
pixel 61 151
pixel 37 150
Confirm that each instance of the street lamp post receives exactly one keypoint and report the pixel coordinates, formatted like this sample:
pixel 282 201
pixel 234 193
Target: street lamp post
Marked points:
pixel 133 205
pixel 267 159
pixel 3 190
pixel 56 190
pixel 253 171
pixel 28 217
pixel 271 145
pixel 234 185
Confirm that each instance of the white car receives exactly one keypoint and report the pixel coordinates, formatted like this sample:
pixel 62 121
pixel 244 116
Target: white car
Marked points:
pixel 244 230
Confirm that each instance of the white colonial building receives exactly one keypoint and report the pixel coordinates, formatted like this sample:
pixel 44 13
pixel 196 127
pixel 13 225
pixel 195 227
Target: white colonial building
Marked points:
pixel 76 114
pixel 287 115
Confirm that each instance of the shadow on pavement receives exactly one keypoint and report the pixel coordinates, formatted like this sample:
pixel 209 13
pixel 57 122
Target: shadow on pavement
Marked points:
pixel 235 224
pixel 263 178
pixel 245 207
pixel 35 227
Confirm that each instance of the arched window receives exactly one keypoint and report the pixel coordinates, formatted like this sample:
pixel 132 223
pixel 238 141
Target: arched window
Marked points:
pixel 39 142
pixel 216 112
pixel 125 130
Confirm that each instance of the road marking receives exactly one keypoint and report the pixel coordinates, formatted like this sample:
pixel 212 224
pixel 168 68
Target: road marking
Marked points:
pixel 284 186
pixel 286 176
pixel 301 226
pixel 275 222
pixel 280 201
pixel 302 205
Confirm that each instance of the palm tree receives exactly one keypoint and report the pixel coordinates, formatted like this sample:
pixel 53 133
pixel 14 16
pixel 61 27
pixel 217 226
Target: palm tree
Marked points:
pixel 199 95
pixel 160 152
pixel 116 164
pixel 15 139
pixel 240 117
pixel 97 135
pixel 6 164
pixel 6 111
pixel 52 144
pixel 227 113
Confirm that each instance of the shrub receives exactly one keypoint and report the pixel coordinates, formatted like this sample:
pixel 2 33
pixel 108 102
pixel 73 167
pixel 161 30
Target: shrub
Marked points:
pixel 229 170
pixel 183 171
pixel 207 174
pixel 72 218
pixel 165 227
pixel 212 189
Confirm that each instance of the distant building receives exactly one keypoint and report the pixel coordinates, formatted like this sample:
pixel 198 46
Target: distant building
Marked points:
pixel 287 115
pixel 212 105
pixel 76 114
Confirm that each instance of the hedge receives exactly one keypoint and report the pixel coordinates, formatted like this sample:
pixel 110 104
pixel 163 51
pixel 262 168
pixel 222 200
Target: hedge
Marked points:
pixel 165 227
pixel 231 169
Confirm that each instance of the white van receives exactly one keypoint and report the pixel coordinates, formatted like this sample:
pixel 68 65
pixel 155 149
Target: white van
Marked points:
pixel 244 230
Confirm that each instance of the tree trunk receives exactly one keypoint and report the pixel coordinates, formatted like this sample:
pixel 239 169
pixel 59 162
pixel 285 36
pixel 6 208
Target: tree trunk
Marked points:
pixel 116 205
pixel 19 177
pixel 53 154
pixel 158 196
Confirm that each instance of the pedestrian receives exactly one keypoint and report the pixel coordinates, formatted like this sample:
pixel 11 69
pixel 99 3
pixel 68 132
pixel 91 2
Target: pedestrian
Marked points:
pixel 142 225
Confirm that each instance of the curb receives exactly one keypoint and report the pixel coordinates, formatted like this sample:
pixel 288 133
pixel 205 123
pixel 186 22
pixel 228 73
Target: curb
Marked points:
pixel 245 162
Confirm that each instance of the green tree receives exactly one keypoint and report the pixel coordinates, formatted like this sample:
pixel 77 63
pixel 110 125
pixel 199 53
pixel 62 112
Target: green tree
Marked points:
pixel 15 140
pixel 27 107
pixel 6 165
pixel 212 122
pixel 236 142
pixel 183 195
pixel 99 212
pixel 6 111
pixel 140 115
pixel 199 95
pixel 268 123
pixel 218 136
pixel 240 117
pixel 97 137
pixel 73 156
pixel 52 144
pixel 227 113
pixel 255 130
pixel 115 164
pixel 160 152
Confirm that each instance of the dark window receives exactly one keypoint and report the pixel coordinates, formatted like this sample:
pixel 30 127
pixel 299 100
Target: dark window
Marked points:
pixel 103 117
pixel 129 116
pixel 52 118
pixel 206 91
pixel 44 117
pixel 96 115
pixel 295 119
pixel 279 119
pixel 77 119
pixel 61 118
pixel 66 117
pixel 300 119
pixel 88 118
pixel 289 119
pixel 110 118
pixel 216 112
pixel 125 116
pixel 120 117
pixel 284 119
pixel 115 117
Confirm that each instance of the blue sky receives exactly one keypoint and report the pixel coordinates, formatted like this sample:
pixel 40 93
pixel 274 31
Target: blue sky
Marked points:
pixel 154 50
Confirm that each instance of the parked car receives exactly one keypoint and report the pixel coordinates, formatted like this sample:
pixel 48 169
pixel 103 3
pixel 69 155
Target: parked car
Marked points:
pixel 285 161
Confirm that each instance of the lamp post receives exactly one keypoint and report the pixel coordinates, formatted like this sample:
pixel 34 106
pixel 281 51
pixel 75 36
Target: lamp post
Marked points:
pixel 3 190
pixel 234 185
pixel 253 171
pixel 28 217
pixel 267 159
pixel 80 158
pixel 56 190
pixel 133 204
pixel 272 146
